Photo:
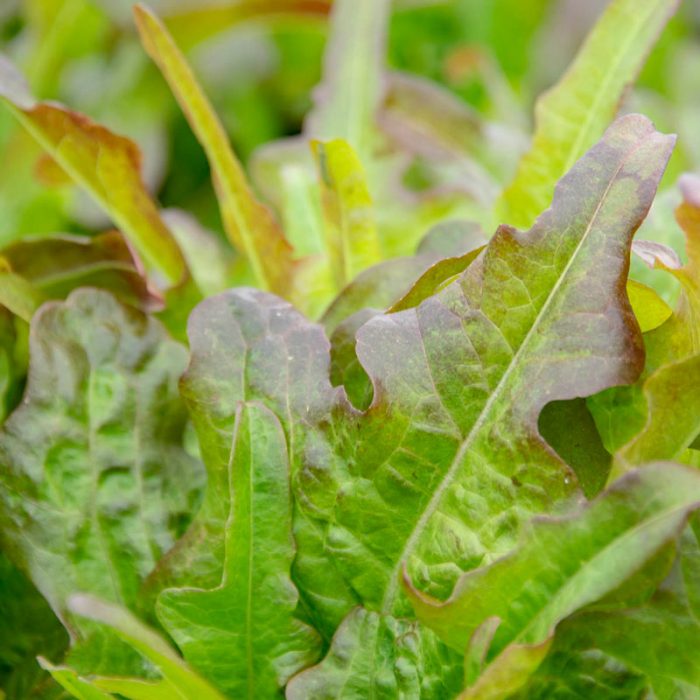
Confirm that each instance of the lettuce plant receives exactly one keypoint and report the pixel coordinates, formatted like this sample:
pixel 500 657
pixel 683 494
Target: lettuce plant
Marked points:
pixel 375 453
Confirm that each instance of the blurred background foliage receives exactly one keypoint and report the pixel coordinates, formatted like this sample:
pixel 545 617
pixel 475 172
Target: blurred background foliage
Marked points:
pixel 259 61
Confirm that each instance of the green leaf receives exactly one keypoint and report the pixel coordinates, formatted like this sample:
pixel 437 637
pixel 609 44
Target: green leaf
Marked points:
pixel 657 418
pixel 242 635
pixel 441 471
pixel 28 627
pixel 351 237
pixel 78 687
pixel 191 25
pixel 435 278
pixel 183 681
pixel 405 661
pixel 649 308
pixel 572 115
pixel 459 370
pixel 508 672
pixel 56 265
pixel 562 565
pixel 346 370
pixel 377 287
pixel 249 224
pixel 580 447
pixel 452 239
pixel 137 689
pixel 352 88
pixel 19 295
pixel 428 119
pixel 672 396
pixel 94 452
pixel 209 259
pixel 646 650
pixel 106 165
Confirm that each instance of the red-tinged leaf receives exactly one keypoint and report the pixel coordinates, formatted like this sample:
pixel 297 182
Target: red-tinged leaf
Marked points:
pixel 106 165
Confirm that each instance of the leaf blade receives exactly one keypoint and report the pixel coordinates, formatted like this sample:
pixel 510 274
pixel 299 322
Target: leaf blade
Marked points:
pixel 106 165
pixel 243 635
pixel 572 115
pixel 249 224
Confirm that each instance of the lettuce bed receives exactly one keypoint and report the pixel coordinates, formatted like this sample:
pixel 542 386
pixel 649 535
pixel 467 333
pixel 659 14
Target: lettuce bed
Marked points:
pixel 392 446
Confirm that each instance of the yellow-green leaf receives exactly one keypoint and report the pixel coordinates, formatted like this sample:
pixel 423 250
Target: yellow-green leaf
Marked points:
pixel 571 116
pixel 649 308
pixel 106 165
pixel 249 224
pixel 351 236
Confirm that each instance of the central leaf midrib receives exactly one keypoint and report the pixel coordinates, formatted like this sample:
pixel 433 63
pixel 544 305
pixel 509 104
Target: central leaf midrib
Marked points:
pixel 393 582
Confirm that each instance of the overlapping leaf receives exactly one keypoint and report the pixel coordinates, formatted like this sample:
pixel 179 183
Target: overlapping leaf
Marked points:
pixel 56 265
pixel 96 484
pixel 646 650
pixel 566 564
pixel 659 417
pixel 178 681
pixel 442 469
pixel 106 165
pixel 243 635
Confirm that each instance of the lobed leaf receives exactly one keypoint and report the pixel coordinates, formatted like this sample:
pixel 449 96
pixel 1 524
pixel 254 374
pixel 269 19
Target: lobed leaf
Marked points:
pixel 441 471
pixel 106 165
pixel 242 635
pixel 94 452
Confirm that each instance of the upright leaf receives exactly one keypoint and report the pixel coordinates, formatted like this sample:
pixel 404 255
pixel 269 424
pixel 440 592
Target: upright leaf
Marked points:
pixel 96 484
pixel 242 635
pixel 571 116
pixel 454 382
pixel 352 87
pixel 106 165
pixel 351 237
pixel 249 224
pixel 191 24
